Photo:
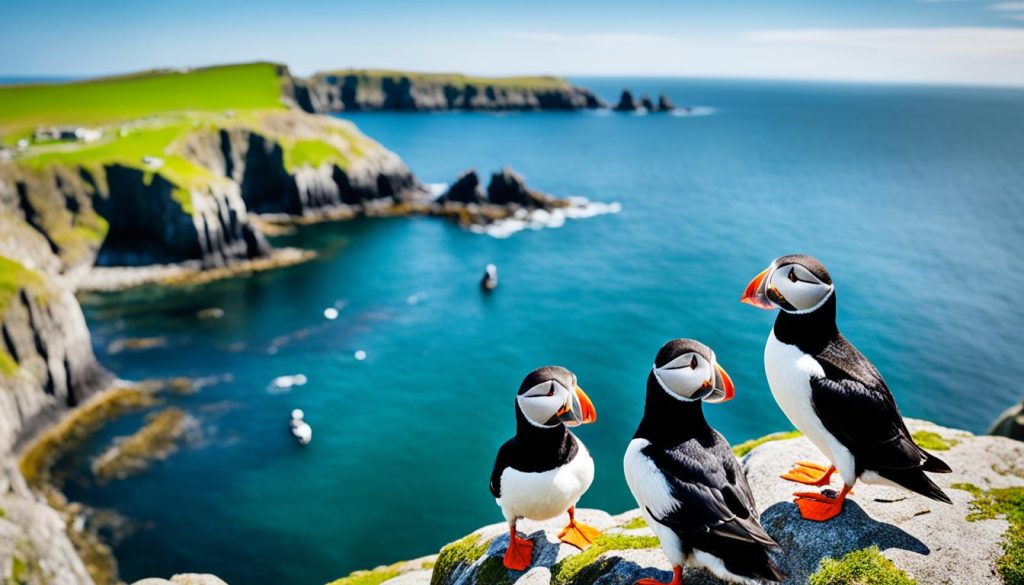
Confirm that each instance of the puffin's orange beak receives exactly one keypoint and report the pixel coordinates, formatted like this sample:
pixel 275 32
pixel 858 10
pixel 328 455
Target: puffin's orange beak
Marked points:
pixel 730 390
pixel 589 413
pixel 755 295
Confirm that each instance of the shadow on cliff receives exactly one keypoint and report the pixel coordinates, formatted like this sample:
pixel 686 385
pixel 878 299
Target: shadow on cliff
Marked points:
pixel 805 542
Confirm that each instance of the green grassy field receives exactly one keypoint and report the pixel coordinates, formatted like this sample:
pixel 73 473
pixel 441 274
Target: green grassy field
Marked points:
pixel 457 79
pixel 98 101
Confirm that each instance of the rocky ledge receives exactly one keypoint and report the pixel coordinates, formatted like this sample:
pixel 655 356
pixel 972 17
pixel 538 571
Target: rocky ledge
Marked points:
pixel 884 535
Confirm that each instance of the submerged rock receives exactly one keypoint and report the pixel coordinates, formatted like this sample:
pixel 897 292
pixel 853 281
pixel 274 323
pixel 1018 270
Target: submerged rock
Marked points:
pixel 892 532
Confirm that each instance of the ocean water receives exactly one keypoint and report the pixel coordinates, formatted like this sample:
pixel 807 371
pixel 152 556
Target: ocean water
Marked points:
pixel 912 196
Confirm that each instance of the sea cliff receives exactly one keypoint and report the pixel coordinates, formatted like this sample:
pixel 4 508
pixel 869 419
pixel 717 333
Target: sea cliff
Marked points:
pixel 374 89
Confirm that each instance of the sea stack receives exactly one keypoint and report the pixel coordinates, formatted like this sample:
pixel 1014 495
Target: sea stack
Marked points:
pixel 665 104
pixel 465 189
pixel 626 103
pixel 646 103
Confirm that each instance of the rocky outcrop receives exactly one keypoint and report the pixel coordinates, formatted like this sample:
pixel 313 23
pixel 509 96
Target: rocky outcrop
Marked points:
pixel 626 102
pixel 508 187
pixel 268 182
pixel 665 104
pixel 359 90
pixel 646 103
pixel 888 531
pixel 1010 423
pixel 34 546
pixel 466 189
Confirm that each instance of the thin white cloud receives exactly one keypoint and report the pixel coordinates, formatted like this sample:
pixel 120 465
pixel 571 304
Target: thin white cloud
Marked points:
pixel 604 38
pixel 936 42
pixel 1007 6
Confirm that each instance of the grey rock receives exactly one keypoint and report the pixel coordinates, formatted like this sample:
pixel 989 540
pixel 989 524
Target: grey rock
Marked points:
pixel 466 189
pixel 508 187
pixel 1010 423
pixel 926 539
pixel 184 579
pixel 626 102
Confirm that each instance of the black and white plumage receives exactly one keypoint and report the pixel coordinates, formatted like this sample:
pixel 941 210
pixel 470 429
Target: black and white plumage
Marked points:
pixel 688 484
pixel 544 470
pixel 828 389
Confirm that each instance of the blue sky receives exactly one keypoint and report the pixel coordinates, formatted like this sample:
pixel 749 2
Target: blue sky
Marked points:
pixel 952 41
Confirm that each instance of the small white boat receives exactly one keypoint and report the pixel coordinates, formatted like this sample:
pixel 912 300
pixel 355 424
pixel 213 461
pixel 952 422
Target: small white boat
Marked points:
pixel 490 280
pixel 301 430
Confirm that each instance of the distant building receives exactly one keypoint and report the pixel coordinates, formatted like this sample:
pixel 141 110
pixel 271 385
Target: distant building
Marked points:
pixel 66 133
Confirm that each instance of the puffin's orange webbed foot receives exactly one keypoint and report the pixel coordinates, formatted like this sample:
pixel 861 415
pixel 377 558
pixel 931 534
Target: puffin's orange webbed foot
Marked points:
pixel 579 535
pixel 810 473
pixel 677 578
pixel 519 554
pixel 819 507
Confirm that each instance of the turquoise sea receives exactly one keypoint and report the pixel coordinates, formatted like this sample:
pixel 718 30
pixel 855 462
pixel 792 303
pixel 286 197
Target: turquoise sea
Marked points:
pixel 912 196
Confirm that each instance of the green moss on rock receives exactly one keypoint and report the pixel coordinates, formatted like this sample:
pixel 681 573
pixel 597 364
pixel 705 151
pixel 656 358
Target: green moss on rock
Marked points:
pixel 460 553
pixel 571 569
pixel 372 577
pixel 1008 502
pixel 635 523
pixel 8 366
pixel 860 567
pixel 933 441
pixel 748 446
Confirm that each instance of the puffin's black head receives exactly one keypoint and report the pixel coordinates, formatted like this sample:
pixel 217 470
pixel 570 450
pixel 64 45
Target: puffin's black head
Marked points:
pixel 687 370
pixel 549 396
pixel 794 283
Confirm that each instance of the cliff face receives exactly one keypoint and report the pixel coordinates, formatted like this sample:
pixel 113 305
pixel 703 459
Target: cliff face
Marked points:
pixel 884 534
pixel 393 90
pixel 270 181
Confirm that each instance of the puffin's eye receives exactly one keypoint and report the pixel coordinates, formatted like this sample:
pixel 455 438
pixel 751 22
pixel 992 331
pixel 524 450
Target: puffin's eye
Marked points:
pixel 792 275
pixel 693 363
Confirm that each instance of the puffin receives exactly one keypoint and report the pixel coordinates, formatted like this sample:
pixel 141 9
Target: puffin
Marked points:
pixel 543 470
pixel 832 393
pixel 688 484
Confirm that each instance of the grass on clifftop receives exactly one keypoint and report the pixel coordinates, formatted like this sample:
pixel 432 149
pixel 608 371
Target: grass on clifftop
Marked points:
pixel 570 569
pixel 1008 502
pixel 457 79
pixel 860 567
pixel 97 101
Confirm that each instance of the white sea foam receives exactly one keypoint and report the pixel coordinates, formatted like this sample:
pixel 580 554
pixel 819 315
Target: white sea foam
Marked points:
pixel 436 189
pixel 579 208
pixel 694 111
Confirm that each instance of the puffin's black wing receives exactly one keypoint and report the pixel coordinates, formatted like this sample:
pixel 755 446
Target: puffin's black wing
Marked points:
pixel 501 462
pixel 855 405
pixel 715 510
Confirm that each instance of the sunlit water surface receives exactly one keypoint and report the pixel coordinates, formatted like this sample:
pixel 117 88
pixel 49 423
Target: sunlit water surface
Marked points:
pixel 912 196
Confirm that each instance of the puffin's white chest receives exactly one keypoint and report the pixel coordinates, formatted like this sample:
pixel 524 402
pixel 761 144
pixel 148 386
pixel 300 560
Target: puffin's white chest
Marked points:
pixel 546 494
pixel 789 371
